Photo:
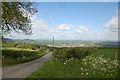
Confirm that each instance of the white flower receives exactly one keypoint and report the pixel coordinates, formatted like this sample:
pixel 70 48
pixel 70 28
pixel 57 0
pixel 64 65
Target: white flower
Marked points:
pixel 86 73
pixel 84 59
pixel 81 68
pixel 64 63
pixel 24 57
pixel 104 61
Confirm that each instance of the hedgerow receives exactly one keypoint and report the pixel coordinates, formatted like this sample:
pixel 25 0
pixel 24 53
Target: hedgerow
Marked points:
pixel 72 52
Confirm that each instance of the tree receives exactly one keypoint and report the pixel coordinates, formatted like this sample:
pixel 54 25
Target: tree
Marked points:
pixel 16 16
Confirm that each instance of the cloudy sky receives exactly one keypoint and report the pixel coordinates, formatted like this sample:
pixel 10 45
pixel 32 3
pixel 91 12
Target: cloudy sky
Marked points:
pixel 74 21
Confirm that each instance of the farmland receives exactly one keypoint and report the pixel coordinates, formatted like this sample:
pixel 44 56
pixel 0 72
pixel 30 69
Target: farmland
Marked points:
pixel 98 64
pixel 65 62
pixel 106 52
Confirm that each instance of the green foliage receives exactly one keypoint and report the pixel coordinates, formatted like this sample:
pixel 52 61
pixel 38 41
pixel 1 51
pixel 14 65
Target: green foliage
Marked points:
pixel 17 16
pixel 73 52
pixel 12 57
pixel 16 54
pixel 26 59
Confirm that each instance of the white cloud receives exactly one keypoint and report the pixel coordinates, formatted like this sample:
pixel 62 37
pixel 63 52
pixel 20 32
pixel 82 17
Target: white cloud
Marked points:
pixel 41 25
pixel 66 27
pixel 112 24
pixel 33 18
pixel 83 28
pixel 79 31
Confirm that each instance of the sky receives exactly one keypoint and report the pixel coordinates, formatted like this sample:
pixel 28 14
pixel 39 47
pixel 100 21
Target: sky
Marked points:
pixel 74 21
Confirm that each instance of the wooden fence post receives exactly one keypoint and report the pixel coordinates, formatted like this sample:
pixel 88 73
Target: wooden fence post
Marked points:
pixel 116 55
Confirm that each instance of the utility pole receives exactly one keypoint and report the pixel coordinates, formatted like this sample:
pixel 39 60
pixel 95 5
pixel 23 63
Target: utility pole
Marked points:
pixel 53 42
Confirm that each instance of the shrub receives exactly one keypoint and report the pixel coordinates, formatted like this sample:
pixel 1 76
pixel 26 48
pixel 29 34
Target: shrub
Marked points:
pixel 16 54
pixel 73 52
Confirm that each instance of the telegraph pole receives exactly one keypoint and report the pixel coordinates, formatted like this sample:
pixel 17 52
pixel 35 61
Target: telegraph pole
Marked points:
pixel 53 42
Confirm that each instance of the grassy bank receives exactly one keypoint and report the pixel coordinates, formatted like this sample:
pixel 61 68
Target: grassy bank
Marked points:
pixel 92 66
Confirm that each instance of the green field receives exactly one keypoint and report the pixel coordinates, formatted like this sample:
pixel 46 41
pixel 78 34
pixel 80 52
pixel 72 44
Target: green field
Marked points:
pixel 92 66
pixel 107 53
pixel 17 49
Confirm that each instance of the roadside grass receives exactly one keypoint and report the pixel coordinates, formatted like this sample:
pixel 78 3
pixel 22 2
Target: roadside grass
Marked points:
pixel 9 62
pixel 92 66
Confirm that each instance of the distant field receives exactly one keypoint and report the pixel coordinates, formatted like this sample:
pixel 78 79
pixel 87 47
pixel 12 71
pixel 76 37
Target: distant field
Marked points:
pixel 16 49
pixel 108 44
pixel 107 53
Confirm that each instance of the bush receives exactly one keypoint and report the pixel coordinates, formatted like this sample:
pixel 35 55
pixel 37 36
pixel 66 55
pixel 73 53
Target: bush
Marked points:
pixel 73 52
pixel 16 54
pixel 14 57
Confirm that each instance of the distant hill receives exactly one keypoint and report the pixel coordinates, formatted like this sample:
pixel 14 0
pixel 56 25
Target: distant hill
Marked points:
pixel 28 39
pixel 8 40
pixel 105 44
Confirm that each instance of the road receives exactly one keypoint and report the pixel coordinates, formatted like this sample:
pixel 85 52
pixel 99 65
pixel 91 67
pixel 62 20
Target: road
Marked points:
pixel 25 69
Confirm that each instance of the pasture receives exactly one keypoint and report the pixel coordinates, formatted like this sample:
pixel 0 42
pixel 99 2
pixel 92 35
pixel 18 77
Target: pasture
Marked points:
pixel 106 52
